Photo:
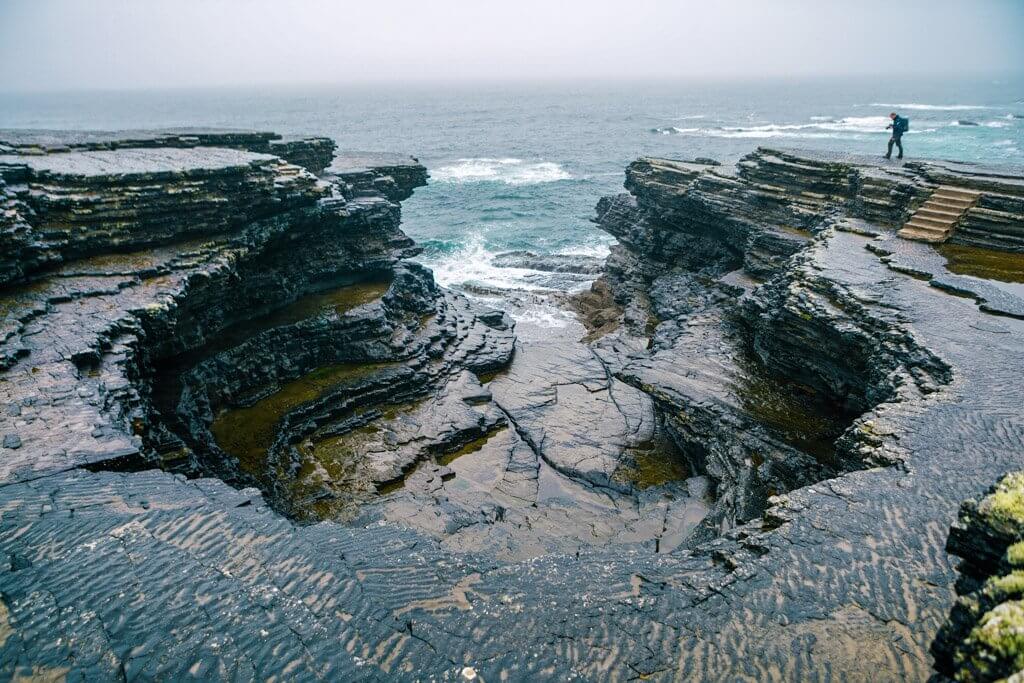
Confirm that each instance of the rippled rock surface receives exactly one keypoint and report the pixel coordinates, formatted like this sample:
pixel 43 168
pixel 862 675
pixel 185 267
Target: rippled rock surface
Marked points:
pixel 264 443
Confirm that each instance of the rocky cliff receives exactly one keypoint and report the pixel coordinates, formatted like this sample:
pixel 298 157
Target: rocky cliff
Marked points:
pixel 793 344
pixel 188 286
pixel 250 438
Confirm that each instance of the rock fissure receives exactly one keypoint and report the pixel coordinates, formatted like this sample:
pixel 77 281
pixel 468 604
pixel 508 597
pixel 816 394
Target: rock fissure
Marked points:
pixel 770 421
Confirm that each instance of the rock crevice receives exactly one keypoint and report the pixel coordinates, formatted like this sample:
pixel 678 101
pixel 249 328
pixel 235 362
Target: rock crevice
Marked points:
pixel 273 446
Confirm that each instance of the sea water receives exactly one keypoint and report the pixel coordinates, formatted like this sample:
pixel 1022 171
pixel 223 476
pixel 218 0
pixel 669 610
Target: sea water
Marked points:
pixel 521 166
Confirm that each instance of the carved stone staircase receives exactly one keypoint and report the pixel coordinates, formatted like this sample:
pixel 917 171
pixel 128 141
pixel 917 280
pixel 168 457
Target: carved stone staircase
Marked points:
pixel 938 216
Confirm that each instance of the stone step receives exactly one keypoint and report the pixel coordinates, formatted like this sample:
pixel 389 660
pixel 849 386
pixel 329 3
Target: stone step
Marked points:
pixel 944 222
pixel 920 235
pixel 938 213
pixel 928 229
pixel 950 200
pixel 925 225
pixel 936 219
pixel 950 190
pixel 954 200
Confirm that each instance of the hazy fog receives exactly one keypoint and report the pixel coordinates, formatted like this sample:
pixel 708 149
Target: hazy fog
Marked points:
pixel 60 44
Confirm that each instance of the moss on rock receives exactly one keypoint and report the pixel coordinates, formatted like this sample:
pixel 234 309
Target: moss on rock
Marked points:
pixel 995 648
pixel 1005 506
pixel 983 639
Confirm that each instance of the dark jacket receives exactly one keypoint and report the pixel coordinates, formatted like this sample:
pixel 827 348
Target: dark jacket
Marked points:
pixel 899 126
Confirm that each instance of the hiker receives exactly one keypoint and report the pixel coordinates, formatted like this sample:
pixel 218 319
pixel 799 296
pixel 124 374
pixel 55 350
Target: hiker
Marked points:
pixel 899 126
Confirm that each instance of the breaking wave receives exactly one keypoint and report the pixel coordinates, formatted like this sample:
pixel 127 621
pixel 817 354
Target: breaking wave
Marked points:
pixel 471 265
pixel 930 107
pixel 596 250
pixel 510 171
pixel 974 124
pixel 819 127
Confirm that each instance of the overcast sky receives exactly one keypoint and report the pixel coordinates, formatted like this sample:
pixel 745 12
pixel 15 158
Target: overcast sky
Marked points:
pixel 126 44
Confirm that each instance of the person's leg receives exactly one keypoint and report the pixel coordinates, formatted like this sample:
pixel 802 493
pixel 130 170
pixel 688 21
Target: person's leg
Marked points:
pixel 899 144
pixel 888 154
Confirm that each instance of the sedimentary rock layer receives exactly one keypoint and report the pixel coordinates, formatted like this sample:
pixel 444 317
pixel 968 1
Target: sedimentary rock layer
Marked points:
pixel 312 153
pixel 815 369
pixel 983 639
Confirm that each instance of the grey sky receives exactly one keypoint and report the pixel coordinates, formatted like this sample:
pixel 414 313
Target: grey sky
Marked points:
pixel 59 44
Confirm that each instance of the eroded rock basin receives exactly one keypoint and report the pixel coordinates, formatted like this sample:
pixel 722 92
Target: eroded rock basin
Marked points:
pixel 577 461
pixel 219 464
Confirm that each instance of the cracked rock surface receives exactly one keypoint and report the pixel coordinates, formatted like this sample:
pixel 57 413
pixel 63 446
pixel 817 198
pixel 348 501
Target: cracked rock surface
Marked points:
pixel 275 448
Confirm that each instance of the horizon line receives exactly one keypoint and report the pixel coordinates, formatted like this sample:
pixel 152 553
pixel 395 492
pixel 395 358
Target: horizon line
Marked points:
pixel 751 79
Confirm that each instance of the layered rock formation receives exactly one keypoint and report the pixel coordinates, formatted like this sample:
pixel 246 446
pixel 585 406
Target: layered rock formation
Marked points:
pixel 773 327
pixel 312 153
pixel 984 637
pixel 198 281
pixel 263 443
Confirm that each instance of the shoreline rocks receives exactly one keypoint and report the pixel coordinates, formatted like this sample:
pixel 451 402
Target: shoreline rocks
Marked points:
pixel 275 445
pixel 982 639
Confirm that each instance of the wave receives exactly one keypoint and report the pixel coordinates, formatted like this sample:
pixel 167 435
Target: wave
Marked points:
pixel 473 266
pixel 598 250
pixel 545 317
pixel 752 132
pixel 821 127
pixel 854 124
pixel 673 130
pixel 510 171
pixel 975 124
pixel 930 107
pixel 690 117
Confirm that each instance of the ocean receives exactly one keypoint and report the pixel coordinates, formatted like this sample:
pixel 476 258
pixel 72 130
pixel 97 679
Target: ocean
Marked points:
pixel 521 166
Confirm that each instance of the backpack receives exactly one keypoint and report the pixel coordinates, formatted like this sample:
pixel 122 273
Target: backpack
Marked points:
pixel 904 124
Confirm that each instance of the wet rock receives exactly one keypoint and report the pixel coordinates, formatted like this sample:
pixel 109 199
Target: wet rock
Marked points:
pixel 312 153
pixel 552 263
pixel 12 441
pixel 538 534
pixel 368 174
pixel 980 641
pixel 597 309
pixel 85 203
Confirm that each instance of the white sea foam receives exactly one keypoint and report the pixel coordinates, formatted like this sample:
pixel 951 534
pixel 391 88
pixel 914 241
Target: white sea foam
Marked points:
pixel 473 265
pixel 546 317
pixel 974 124
pixel 930 107
pixel 599 250
pixel 821 127
pixel 510 171
pixel 691 117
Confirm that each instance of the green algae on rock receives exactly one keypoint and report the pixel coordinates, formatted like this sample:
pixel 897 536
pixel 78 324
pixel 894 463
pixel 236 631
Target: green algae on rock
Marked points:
pixel 448 457
pixel 803 419
pixel 247 433
pixel 847 576
pixel 983 638
pixel 652 463
pixel 988 264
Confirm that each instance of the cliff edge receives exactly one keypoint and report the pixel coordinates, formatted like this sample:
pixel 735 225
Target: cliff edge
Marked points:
pixel 219 366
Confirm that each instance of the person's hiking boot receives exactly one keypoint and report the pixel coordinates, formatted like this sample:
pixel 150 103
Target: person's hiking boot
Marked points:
pixel 886 156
